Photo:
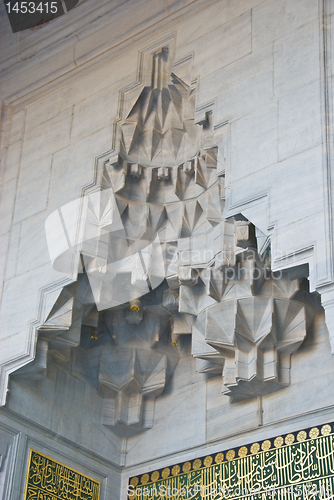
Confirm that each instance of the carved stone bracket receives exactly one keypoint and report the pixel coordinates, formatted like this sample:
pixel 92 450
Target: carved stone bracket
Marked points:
pixel 158 262
pixel 259 319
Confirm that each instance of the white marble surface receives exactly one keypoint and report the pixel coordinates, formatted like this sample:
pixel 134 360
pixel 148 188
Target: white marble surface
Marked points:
pixel 274 20
pixel 260 61
pixel 299 110
pixel 229 42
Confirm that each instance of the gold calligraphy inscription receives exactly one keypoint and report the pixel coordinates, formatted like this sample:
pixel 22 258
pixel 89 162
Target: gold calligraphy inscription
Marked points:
pixel 48 479
pixel 295 466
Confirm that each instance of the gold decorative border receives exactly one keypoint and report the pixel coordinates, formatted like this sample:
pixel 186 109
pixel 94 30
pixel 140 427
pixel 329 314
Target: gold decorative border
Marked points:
pixel 232 454
pixel 31 451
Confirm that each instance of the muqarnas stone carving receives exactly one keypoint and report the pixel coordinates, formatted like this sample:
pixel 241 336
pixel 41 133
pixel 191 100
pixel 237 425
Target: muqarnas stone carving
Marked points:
pixel 124 352
pixel 160 268
pixel 259 320
pixel 159 130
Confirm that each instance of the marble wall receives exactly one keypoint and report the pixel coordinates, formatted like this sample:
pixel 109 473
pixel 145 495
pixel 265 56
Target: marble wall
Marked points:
pixel 265 66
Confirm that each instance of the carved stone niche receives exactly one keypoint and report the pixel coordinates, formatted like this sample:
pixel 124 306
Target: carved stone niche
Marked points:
pixel 118 327
pixel 158 263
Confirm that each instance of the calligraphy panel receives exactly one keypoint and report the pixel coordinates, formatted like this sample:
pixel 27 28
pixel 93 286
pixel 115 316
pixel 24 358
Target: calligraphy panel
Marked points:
pixel 48 479
pixel 294 466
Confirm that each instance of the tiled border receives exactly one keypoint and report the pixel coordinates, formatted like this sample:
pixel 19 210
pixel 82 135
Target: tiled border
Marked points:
pixel 231 454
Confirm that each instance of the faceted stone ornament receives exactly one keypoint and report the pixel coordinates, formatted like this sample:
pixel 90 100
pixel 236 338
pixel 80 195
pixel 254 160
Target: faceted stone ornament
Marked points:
pixel 158 263
pixel 130 380
pixel 250 333
pixel 159 130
